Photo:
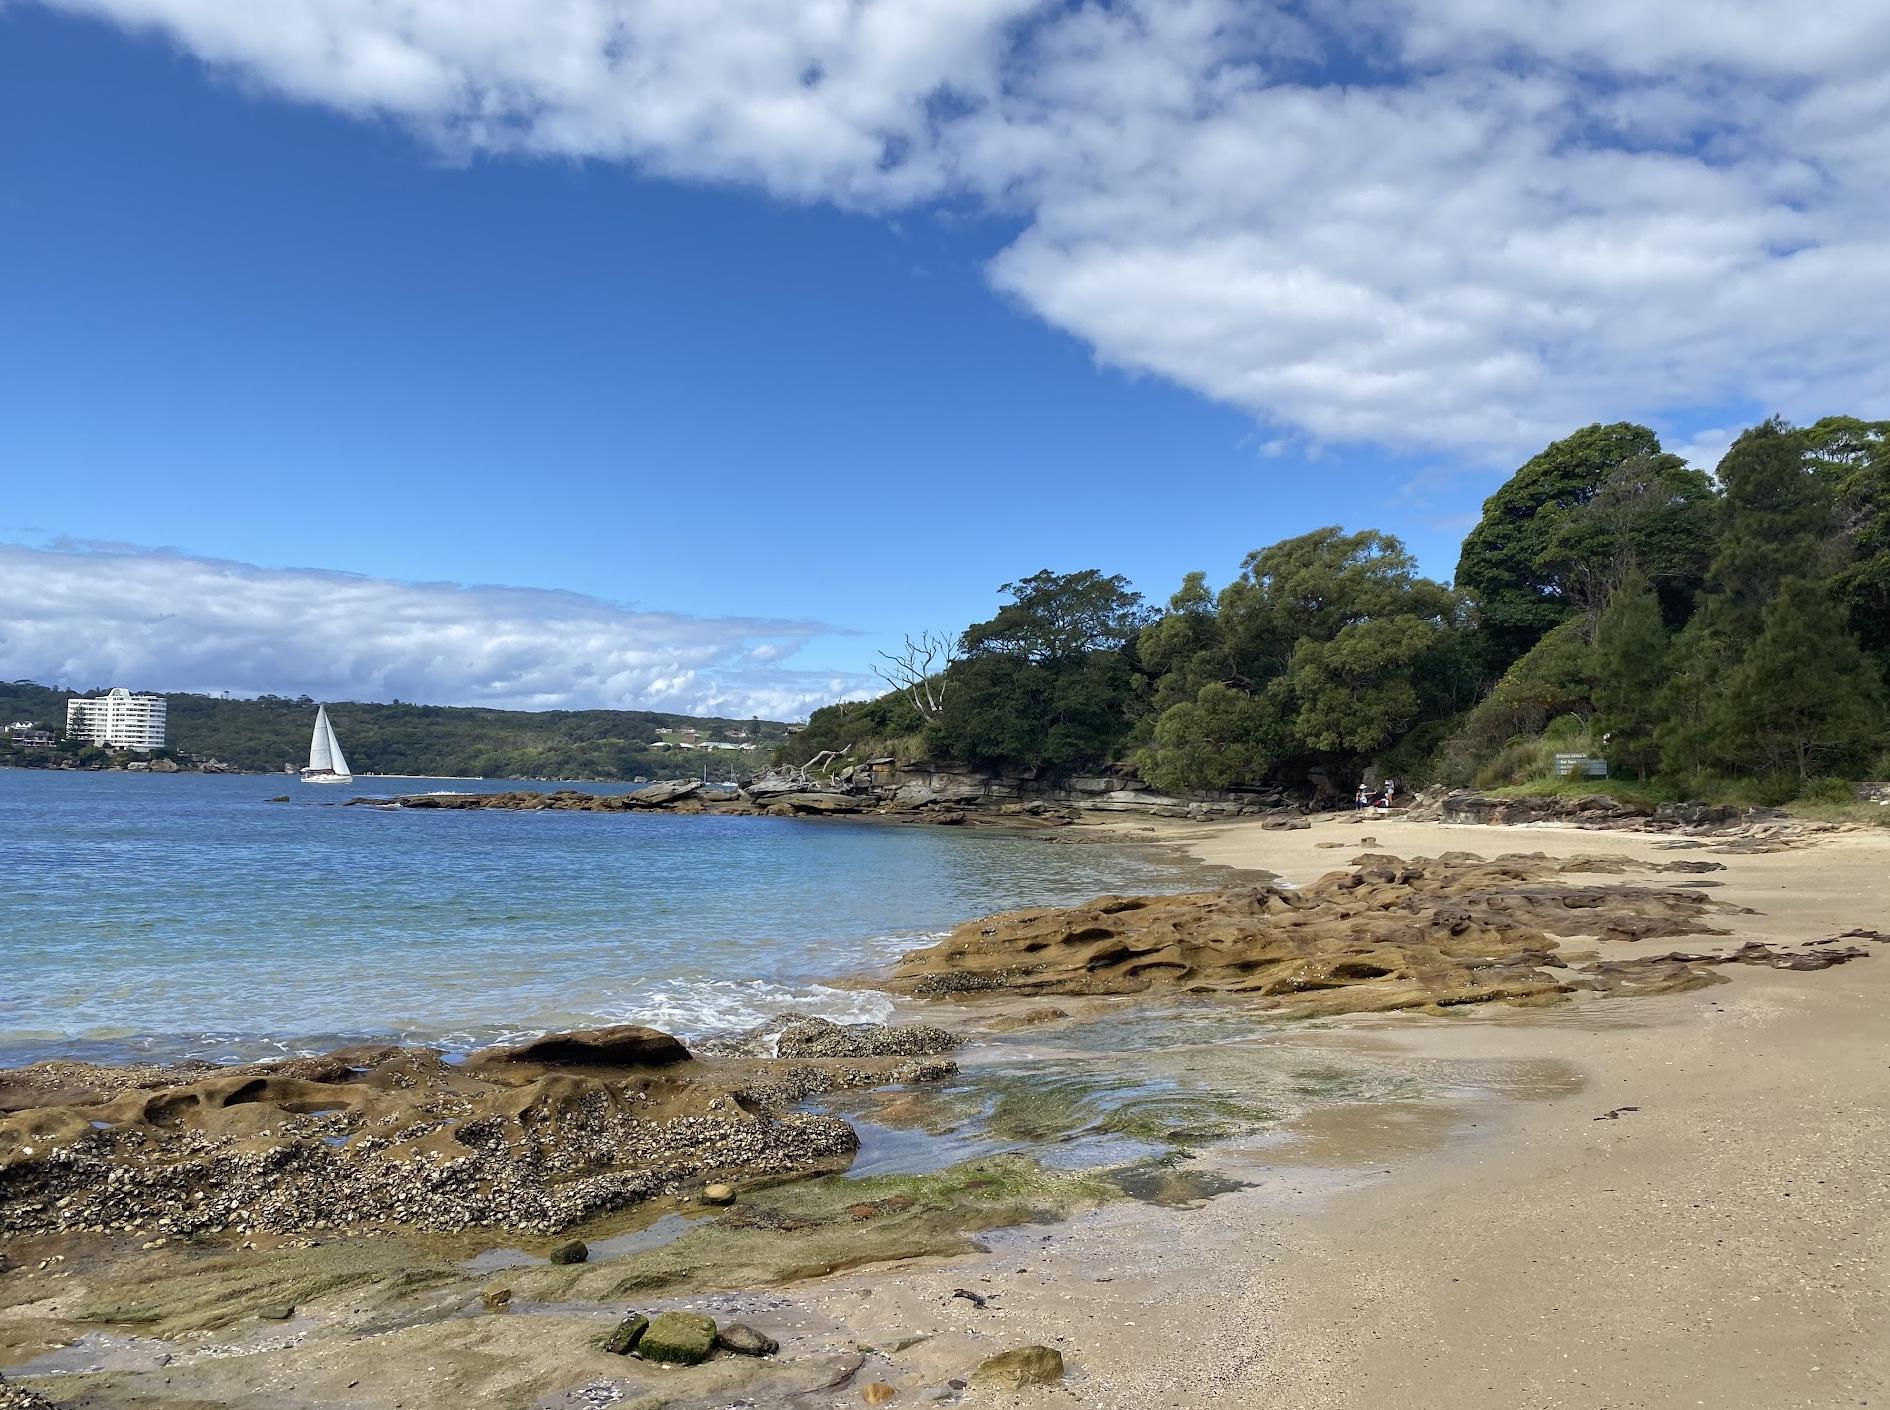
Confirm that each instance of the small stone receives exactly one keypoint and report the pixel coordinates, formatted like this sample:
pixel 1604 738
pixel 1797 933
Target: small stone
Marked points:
pixel 744 1340
pixel 718 1194
pixel 629 1332
pixel 682 1338
pixel 1021 1367
pixel 878 1393
pixel 497 1299
pixel 276 1312
pixel 575 1251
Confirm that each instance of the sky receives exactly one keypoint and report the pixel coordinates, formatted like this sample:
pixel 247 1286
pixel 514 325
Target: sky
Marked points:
pixel 682 354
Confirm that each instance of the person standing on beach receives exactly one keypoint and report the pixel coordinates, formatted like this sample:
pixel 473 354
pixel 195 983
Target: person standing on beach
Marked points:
pixel 1362 800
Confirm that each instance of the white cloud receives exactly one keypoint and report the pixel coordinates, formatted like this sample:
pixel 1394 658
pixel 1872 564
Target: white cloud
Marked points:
pixel 109 614
pixel 1452 225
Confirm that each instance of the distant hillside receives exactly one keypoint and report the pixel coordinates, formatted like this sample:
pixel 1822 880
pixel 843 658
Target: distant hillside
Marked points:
pixel 443 740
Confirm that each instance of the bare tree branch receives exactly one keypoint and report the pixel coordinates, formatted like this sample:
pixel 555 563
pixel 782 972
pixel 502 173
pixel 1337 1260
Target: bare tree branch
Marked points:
pixel 918 669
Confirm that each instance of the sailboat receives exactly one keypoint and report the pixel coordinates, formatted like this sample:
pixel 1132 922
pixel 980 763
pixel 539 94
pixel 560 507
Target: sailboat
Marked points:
pixel 326 763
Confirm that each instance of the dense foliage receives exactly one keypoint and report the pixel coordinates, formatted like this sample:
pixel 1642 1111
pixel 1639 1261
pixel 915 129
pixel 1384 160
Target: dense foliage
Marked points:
pixel 431 740
pixel 1692 628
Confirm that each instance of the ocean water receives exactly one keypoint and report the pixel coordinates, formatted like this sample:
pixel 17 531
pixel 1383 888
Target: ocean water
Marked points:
pixel 165 916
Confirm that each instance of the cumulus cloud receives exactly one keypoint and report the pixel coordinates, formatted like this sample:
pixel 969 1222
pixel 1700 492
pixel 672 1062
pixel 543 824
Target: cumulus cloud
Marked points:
pixel 1459 225
pixel 87 614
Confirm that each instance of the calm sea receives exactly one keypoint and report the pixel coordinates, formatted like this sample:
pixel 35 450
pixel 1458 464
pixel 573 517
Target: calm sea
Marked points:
pixel 185 915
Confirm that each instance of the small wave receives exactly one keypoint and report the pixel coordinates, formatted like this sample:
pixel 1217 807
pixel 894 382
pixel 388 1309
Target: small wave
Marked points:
pixel 717 1007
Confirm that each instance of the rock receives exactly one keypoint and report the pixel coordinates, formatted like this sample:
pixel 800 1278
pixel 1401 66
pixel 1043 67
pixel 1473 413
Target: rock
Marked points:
pixel 744 1340
pixel 624 1045
pixel 656 795
pixel 718 1194
pixel 276 1312
pixel 576 1251
pixel 878 1393
pixel 13 1397
pixel 1029 1018
pixel 1019 1368
pixel 680 1338
pixel 279 798
pixel 496 1299
pixel 1392 934
pixel 816 1037
pixel 623 1340
pixel 813 802
pixel 1285 824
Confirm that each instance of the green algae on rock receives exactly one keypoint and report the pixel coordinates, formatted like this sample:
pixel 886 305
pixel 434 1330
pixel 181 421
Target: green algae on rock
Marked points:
pixel 680 1338
pixel 1020 1368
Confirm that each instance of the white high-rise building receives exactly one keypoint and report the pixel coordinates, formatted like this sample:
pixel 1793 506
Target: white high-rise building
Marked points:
pixel 118 720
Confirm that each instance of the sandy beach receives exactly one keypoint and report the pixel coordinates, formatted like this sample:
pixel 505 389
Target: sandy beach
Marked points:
pixel 1726 1242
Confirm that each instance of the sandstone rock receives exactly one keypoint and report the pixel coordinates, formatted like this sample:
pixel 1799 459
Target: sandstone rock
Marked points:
pixel 657 795
pixel 624 1045
pixel 1017 1369
pixel 744 1340
pixel 680 1338
pixel 813 802
pixel 496 1299
pixel 1029 1018
pixel 1392 934
pixel 718 1194
pixel 575 1251
pixel 627 1333
pixel 276 1312
pixel 877 1393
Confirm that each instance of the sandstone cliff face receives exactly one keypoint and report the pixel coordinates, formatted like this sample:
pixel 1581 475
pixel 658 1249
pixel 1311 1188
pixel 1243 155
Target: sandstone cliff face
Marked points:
pixel 1392 934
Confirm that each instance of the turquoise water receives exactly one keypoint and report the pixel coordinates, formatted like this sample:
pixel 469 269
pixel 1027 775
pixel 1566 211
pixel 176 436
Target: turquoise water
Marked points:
pixel 184 915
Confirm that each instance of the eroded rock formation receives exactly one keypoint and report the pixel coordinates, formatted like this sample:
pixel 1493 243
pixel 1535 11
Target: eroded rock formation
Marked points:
pixel 1390 934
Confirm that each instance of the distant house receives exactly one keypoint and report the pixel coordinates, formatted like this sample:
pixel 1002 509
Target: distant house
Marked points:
pixel 118 719
pixel 29 736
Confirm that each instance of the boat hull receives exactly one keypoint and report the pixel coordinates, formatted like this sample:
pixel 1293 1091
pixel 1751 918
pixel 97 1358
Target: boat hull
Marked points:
pixel 327 778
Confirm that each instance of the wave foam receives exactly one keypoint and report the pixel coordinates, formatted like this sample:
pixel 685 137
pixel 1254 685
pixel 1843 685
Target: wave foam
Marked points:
pixel 717 1007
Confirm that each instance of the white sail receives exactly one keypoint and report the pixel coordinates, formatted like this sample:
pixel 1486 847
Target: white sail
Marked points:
pixel 321 748
pixel 340 764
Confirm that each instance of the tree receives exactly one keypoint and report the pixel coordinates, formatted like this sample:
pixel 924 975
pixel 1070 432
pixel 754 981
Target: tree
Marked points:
pixel 1060 617
pixel 1804 700
pixel 1221 737
pixel 1654 514
pixel 1337 644
pixel 919 670
pixel 1356 692
pixel 1630 665
pixel 1006 711
pixel 1776 523
pixel 1853 458
pixel 1509 567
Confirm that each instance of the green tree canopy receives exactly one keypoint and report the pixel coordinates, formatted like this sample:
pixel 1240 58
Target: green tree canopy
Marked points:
pixel 1630 664
pixel 1776 523
pixel 1060 617
pixel 1803 700
pixel 1513 562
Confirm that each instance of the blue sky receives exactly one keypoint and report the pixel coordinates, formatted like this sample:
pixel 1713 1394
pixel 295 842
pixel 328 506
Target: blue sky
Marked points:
pixel 277 311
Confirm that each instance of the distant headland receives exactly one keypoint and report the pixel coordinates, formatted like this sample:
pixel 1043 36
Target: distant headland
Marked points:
pixel 269 733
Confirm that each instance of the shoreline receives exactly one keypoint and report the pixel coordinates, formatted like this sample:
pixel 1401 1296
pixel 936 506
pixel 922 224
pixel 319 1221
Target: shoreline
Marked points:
pixel 1726 1241
pixel 1511 1245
